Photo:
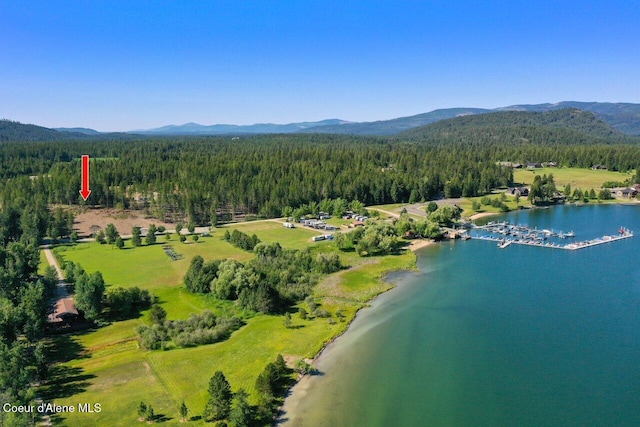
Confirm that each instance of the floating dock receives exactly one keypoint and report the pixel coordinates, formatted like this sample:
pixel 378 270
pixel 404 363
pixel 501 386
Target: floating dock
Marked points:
pixel 522 235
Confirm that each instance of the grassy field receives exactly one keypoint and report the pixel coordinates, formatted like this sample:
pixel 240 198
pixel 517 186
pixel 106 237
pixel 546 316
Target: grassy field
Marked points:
pixel 273 231
pixel 585 179
pixel 147 266
pixel 106 365
pixel 510 201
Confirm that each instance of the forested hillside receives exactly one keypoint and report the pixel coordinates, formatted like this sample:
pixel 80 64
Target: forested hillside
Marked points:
pixel 561 127
pixel 622 116
pixel 15 131
pixel 20 132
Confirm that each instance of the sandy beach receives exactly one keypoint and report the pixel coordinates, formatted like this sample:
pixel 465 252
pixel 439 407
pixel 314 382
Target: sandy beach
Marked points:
pixel 482 215
pixel 419 244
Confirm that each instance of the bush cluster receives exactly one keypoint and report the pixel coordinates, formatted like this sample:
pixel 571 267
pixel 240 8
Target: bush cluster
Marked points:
pixel 198 329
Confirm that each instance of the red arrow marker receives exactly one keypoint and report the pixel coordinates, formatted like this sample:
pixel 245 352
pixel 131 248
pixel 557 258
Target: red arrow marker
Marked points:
pixel 84 192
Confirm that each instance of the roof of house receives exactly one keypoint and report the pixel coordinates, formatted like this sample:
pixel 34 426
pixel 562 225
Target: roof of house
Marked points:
pixel 63 307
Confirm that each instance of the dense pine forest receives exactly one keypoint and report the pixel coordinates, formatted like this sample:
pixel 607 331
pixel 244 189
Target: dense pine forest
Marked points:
pixel 212 179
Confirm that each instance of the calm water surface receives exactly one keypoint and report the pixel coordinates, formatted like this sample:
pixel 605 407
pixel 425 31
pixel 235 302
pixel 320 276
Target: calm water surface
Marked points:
pixel 521 336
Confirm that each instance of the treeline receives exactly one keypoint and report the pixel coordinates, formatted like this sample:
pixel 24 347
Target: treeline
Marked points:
pixel 268 283
pixel 193 180
pixel 24 298
pixel 208 180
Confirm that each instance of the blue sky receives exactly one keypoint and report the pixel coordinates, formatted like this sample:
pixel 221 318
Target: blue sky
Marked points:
pixel 123 65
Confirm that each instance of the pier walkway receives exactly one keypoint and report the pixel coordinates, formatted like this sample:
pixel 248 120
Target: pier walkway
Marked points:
pixel 522 235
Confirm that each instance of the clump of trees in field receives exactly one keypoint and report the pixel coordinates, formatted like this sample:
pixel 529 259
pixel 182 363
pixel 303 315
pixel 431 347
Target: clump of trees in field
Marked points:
pixel 241 240
pixel 376 238
pixel 198 329
pixel 116 303
pixel 224 406
pixel 542 190
pixel 268 283
pixel 125 303
pixel 419 228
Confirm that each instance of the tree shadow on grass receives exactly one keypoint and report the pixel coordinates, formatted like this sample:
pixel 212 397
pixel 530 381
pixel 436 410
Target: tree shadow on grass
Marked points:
pixel 65 381
pixel 161 418
pixel 64 347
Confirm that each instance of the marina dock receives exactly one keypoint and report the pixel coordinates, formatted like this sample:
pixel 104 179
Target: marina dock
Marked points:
pixel 505 234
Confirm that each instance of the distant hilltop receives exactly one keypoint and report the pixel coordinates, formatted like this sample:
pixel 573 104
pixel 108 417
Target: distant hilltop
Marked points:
pixel 621 117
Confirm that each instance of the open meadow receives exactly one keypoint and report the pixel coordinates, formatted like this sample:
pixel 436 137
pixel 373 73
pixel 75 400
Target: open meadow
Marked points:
pixel 107 366
pixel 582 178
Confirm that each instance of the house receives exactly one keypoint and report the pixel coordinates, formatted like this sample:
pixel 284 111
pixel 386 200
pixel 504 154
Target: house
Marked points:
pixel 518 191
pixel 534 165
pixel 551 165
pixel 64 311
pixel 625 193
pixel 355 224
pixel 599 167
pixel 517 165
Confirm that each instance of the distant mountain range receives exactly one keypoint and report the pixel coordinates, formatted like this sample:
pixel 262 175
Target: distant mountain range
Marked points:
pixel 623 117
pixel 196 129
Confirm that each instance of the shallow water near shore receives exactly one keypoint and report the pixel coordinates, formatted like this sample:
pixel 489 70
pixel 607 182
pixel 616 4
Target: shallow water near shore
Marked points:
pixel 483 336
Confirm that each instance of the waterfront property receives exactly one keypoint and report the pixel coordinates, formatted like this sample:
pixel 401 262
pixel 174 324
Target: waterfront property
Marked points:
pixel 468 342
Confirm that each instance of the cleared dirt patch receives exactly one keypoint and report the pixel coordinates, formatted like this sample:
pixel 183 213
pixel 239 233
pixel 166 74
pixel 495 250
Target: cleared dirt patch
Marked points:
pixel 87 222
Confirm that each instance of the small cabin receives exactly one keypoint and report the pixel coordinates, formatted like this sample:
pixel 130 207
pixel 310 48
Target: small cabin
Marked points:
pixel 65 311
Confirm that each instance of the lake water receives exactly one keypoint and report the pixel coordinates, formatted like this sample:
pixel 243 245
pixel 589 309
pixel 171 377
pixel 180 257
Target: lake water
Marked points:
pixel 482 336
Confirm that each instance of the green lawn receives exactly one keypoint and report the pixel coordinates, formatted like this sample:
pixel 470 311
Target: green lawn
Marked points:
pixel 106 366
pixel 586 179
pixel 274 231
pixel 467 210
pixel 147 266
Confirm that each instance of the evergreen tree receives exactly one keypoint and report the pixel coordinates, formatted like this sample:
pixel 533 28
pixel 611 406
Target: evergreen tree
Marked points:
pixel 219 403
pixel 150 238
pixel 111 233
pixel 183 411
pixel 157 314
pixel 135 239
pixel 241 414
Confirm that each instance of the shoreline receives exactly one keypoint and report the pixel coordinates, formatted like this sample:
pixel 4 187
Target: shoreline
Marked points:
pixel 298 391
pixel 483 215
